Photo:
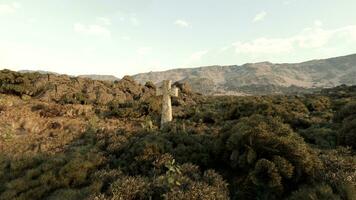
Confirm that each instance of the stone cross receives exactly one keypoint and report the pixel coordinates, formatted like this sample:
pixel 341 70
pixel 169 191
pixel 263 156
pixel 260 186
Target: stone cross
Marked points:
pixel 166 91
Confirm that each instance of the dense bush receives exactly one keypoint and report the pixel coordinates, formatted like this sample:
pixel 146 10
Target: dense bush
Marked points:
pixel 175 182
pixel 273 159
pixel 75 98
pixel 41 176
pixel 323 137
pixel 347 133
pixel 318 103
pixel 315 192
pixel 19 84
pixel 267 147
pixel 61 176
pixel 339 166
pixel 264 154
pixel 134 109
pixel 140 152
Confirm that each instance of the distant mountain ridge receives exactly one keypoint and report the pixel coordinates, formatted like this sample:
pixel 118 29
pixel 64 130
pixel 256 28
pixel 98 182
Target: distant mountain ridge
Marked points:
pixel 100 77
pixel 37 71
pixel 263 77
pixel 90 76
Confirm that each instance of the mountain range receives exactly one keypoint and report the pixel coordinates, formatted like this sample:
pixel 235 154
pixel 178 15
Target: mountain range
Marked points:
pixel 254 78
pixel 263 77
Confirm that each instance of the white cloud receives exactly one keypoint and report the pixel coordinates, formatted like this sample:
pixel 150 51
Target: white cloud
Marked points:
pixel 129 18
pixel 32 20
pixel 224 48
pixel 16 5
pixel 310 38
pixel 144 50
pixel 197 56
pixel 9 8
pixel 104 21
pixel 318 23
pixel 126 38
pixel 260 16
pixel 352 31
pixel 134 20
pixel 89 50
pixel 93 29
pixel 287 2
pixel 182 23
pixel 313 37
pixel 264 45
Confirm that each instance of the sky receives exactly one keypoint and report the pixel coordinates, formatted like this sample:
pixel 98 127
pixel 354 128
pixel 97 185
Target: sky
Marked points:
pixel 126 37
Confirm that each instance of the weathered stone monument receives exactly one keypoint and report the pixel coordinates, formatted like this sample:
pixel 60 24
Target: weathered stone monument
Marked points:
pixel 167 92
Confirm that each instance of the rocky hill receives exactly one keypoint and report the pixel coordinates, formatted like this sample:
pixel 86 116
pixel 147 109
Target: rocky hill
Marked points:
pixel 262 78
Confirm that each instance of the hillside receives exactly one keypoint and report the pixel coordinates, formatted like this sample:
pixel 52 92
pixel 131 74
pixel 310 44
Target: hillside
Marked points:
pixel 75 138
pixel 262 78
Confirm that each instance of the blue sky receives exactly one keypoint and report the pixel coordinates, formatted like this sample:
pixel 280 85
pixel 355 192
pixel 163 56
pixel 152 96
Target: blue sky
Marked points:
pixel 121 37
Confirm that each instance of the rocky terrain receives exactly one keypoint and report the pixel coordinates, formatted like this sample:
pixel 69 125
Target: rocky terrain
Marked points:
pixel 262 78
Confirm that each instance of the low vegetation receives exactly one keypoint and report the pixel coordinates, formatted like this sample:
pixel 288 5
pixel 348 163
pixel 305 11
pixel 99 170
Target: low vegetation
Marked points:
pixel 257 147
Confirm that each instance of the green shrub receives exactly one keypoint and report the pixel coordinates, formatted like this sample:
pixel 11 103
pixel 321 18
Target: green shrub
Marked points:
pixel 19 83
pixel 173 182
pixel 61 176
pixel 318 192
pixel 318 103
pixel 347 133
pixel 75 98
pixel 133 109
pixel 323 137
pixel 275 158
pixel 139 153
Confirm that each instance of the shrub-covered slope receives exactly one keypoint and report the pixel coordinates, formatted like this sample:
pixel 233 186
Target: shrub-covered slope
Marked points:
pixel 73 145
